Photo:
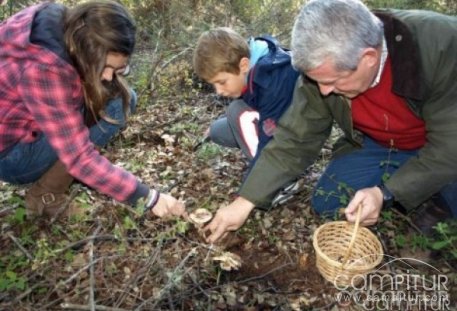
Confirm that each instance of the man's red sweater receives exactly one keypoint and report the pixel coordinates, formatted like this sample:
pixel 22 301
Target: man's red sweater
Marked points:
pixel 385 116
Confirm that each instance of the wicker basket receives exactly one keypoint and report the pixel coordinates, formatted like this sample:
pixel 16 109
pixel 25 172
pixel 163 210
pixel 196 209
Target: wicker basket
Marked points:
pixel 345 252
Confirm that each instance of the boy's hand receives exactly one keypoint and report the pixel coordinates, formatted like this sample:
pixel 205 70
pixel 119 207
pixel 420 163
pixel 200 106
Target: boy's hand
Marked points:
pixel 169 206
pixel 370 200
pixel 228 218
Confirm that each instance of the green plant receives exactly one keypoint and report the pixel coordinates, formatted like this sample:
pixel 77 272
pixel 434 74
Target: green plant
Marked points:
pixel 181 127
pixel 28 233
pixel 43 253
pixel 10 266
pixel 10 280
pixel 386 164
pixel 343 192
pixel 387 215
pixel 400 240
pixel 18 218
pixel 447 238
pixel 129 223
pixel 419 241
pixel 208 151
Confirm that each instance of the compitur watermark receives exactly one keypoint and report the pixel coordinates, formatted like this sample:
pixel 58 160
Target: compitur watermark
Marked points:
pixel 402 290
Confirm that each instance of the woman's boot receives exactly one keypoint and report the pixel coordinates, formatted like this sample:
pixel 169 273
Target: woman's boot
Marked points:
pixel 49 193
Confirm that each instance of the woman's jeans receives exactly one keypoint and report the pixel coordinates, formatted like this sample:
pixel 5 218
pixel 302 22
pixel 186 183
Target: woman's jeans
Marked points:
pixel 366 167
pixel 26 163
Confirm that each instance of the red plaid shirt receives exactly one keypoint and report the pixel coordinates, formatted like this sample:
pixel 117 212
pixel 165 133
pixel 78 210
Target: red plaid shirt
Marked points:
pixel 42 93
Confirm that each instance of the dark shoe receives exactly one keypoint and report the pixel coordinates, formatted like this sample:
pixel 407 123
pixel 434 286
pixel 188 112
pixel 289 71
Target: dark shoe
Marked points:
pixel 48 194
pixel 429 214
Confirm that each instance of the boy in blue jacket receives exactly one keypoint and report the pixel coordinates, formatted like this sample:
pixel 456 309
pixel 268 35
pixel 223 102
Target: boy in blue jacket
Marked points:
pixel 256 73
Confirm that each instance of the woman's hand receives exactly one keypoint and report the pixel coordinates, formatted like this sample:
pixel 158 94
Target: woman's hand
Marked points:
pixel 168 206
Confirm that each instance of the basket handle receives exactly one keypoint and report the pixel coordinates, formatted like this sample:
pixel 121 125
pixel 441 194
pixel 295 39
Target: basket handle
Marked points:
pixel 354 234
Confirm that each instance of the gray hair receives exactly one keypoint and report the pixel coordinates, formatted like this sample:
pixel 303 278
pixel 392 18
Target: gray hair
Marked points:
pixel 334 29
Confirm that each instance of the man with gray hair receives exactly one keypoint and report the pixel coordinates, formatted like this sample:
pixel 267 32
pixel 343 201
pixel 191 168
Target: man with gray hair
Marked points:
pixel 400 81
pixel 388 78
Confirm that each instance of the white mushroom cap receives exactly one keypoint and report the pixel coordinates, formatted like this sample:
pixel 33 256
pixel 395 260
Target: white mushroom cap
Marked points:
pixel 200 216
pixel 228 261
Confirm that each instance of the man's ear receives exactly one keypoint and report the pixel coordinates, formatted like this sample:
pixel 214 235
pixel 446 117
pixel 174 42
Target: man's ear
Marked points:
pixel 371 56
pixel 244 65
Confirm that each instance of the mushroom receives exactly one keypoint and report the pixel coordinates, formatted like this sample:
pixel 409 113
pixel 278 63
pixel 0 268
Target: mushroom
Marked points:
pixel 228 261
pixel 200 216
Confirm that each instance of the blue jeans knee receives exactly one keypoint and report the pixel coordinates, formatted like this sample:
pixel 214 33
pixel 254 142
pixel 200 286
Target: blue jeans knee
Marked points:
pixel 363 168
pixel 103 131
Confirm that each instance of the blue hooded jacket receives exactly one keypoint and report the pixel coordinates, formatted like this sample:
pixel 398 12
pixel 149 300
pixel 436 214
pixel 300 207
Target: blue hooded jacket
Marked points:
pixel 270 86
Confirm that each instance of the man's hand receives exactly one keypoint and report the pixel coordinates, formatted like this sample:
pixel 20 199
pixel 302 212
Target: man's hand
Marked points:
pixel 370 200
pixel 169 206
pixel 228 218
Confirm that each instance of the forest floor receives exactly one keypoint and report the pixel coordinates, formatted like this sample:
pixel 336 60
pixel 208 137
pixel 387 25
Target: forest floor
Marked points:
pixel 107 258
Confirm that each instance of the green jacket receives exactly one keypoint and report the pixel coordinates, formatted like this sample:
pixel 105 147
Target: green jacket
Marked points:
pixel 423 50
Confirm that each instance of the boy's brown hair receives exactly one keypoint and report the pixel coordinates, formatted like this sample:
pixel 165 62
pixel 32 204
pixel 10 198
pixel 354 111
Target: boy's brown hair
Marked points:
pixel 219 50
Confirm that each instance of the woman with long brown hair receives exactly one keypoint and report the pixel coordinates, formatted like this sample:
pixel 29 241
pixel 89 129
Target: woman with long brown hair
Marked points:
pixel 62 96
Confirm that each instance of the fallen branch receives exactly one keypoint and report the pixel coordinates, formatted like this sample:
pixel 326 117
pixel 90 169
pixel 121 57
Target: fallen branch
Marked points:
pixel 407 219
pixel 6 210
pixel 72 306
pixel 265 274
pixel 91 269
pixel 28 291
pixel 140 274
pixel 169 284
pixel 18 244
pixel 71 278
pixel 65 206
pixel 104 237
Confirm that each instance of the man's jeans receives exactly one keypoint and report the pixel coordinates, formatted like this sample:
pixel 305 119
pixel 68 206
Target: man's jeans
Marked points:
pixel 26 163
pixel 361 169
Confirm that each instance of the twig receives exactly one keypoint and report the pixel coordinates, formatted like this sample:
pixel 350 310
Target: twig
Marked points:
pixel 192 277
pixel 384 246
pixel 248 279
pixel 407 219
pixel 265 274
pixel 138 275
pixel 169 284
pixel 72 306
pixel 170 302
pixel 65 206
pixel 18 244
pixel 71 278
pixel 104 237
pixel 91 269
pixel 153 67
pixel 165 64
pixel 28 291
pixel 6 210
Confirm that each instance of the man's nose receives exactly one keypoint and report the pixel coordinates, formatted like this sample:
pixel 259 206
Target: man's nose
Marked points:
pixel 326 89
